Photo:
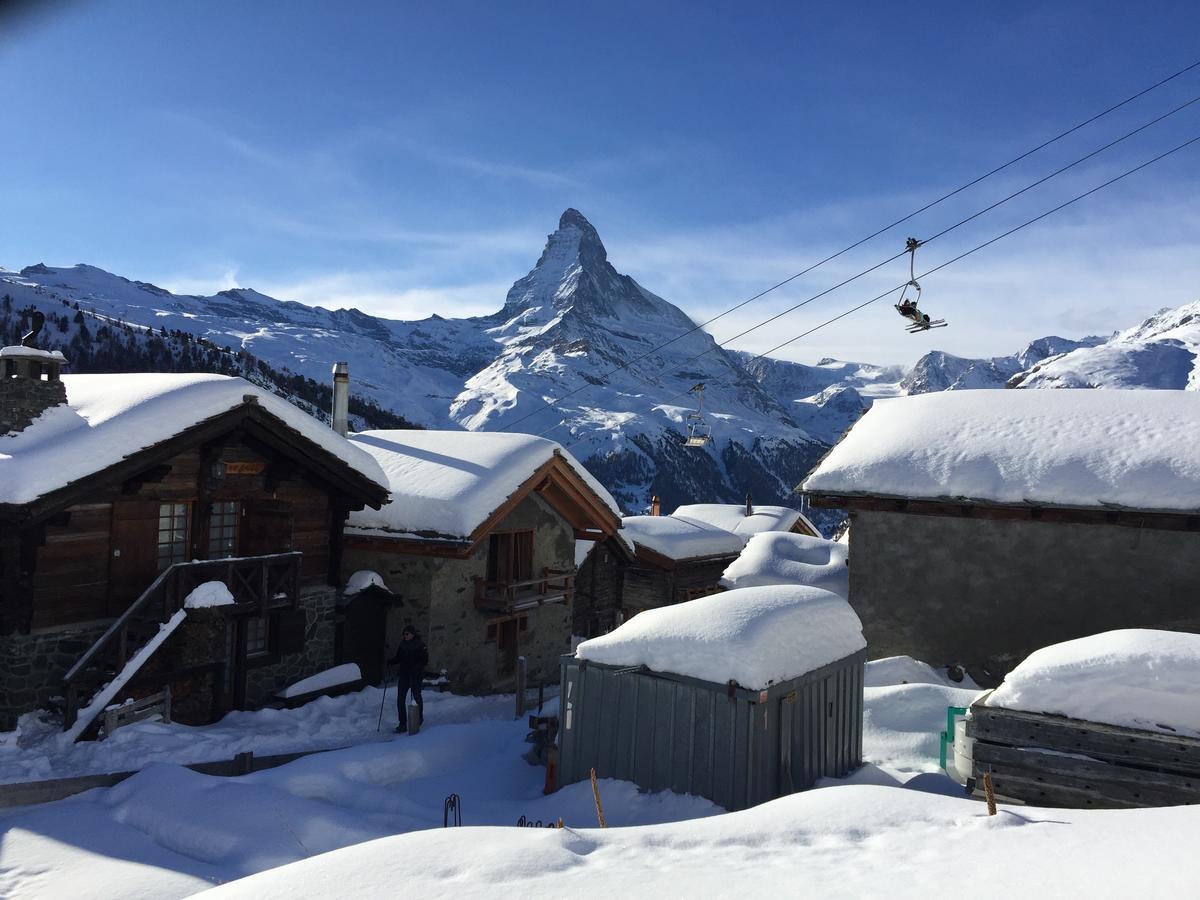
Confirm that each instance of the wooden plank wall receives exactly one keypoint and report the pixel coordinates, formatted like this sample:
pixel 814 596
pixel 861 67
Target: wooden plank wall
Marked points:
pixel 72 582
pixel 1048 760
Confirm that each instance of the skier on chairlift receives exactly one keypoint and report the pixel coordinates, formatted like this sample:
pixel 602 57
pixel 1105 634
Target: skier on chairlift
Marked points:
pixel 908 308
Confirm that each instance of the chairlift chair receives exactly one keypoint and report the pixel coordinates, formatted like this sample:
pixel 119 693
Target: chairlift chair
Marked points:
pixel 699 431
pixel 910 308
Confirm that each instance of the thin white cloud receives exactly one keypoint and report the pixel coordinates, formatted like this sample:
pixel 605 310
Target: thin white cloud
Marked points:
pixel 390 294
pixel 200 283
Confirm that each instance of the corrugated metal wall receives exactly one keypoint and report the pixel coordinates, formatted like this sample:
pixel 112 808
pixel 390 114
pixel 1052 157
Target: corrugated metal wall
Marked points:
pixel 736 747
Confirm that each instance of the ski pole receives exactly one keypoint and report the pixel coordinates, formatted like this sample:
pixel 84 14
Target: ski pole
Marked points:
pixel 382 701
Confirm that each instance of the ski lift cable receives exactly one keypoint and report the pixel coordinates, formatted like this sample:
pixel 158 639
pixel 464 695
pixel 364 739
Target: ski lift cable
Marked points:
pixel 1000 168
pixel 936 268
pixel 962 222
pixel 934 237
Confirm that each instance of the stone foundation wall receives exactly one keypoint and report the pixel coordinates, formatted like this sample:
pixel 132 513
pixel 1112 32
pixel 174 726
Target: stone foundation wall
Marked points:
pixel 320 608
pixel 32 667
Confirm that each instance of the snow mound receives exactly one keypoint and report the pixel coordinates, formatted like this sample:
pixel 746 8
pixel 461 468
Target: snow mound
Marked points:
pixel 1136 677
pixel 109 417
pixel 754 636
pixel 361 580
pixel 209 594
pixel 447 483
pixel 732 517
pixel 899 670
pixel 680 539
pixel 779 557
pixel 1134 449
pixel 343 674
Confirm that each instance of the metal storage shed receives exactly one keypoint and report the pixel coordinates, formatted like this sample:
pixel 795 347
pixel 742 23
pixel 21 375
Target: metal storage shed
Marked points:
pixel 735 745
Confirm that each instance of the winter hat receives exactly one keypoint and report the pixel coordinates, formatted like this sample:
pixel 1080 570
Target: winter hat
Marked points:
pixel 408 629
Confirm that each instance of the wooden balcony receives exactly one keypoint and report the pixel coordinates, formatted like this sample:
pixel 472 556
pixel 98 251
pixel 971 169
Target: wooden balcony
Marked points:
pixel 508 597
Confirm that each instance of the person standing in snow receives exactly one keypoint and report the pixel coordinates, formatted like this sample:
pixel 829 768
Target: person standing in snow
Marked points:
pixel 410 661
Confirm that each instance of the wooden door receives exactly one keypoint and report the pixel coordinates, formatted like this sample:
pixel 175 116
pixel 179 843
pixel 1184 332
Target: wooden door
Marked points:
pixel 266 527
pixel 133 559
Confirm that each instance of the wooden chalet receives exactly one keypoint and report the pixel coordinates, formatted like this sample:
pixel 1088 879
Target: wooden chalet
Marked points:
pixel 477 552
pixel 655 561
pixel 986 524
pixel 120 494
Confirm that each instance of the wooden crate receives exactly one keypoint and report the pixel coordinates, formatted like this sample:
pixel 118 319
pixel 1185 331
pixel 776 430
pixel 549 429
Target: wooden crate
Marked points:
pixel 1050 760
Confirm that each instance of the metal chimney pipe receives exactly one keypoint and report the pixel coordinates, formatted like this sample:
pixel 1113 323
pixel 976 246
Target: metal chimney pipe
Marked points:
pixel 341 397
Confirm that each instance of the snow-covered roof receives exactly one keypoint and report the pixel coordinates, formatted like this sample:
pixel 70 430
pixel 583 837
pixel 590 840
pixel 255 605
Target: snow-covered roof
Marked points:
pixel 779 557
pixel 447 483
pixel 109 417
pixel 1136 677
pixel 754 636
pixel 18 351
pixel 732 517
pixel 680 539
pixel 1133 449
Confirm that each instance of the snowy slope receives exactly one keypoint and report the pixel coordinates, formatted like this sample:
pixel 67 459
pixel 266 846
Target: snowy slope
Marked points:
pixel 1161 353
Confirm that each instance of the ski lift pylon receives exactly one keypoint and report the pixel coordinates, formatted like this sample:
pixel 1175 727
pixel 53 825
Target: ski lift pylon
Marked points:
pixel 910 309
pixel 699 431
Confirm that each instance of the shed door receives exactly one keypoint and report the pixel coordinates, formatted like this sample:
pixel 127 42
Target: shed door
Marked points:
pixel 266 527
pixel 133 561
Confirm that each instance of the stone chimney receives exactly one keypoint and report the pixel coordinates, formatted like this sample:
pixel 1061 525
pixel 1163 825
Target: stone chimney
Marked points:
pixel 29 381
pixel 655 506
pixel 341 397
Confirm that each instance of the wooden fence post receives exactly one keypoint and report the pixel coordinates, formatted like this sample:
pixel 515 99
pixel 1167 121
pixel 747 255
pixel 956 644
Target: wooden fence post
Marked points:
pixel 596 797
pixel 990 793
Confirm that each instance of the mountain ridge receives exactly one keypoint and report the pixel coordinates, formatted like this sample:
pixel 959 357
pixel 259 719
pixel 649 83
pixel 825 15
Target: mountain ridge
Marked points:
pixel 576 352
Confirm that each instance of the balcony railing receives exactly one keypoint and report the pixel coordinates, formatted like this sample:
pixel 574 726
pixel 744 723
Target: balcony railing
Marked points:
pixel 261 583
pixel 555 586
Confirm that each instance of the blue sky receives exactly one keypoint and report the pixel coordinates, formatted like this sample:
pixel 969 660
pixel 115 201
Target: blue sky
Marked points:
pixel 410 158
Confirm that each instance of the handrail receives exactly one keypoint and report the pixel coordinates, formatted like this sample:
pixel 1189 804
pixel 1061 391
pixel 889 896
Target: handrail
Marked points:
pixel 553 581
pixel 119 623
pixel 122 621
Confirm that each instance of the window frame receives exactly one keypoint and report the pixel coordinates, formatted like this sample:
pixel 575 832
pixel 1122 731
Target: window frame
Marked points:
pixel 178 549
pixel 228 524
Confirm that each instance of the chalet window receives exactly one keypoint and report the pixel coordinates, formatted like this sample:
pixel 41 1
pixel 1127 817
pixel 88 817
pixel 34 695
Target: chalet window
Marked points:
pixel 222 529
pixel 258 635
pixel 510 556
pixel 172 533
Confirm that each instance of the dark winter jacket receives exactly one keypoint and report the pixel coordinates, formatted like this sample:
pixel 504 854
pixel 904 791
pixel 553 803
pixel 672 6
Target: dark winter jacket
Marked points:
pixel 411 657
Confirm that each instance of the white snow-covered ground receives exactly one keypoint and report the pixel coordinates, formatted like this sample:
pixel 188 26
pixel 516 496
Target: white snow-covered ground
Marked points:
pixel 894 828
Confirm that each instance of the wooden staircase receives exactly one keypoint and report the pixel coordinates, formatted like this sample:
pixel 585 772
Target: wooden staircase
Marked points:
pixel 258 583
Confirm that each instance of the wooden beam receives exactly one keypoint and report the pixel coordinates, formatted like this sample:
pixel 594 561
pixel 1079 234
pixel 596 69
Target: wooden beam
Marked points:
pixel 976 509
pixel 385 544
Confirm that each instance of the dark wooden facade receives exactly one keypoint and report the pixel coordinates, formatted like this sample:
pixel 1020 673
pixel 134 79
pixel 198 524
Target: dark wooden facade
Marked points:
pixel 241 484
pixel 617 584
pixel 91 553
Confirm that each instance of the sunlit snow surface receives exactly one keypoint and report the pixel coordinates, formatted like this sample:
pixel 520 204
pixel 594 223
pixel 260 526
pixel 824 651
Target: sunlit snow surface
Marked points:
pixel 892 829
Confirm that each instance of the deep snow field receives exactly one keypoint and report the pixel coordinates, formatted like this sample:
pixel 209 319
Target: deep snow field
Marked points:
pixel 897 827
